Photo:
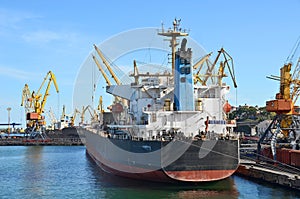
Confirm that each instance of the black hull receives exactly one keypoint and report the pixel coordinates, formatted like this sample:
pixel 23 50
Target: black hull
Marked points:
pixel 177 160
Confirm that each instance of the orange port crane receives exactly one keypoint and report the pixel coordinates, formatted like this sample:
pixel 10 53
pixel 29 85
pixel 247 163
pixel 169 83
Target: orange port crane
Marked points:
pixel 285 100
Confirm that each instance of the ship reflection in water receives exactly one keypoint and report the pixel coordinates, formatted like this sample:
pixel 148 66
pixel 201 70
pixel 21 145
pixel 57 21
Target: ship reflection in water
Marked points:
pixel 119 187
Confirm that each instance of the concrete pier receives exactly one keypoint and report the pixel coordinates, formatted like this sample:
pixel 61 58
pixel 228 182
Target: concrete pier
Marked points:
pixel 273 174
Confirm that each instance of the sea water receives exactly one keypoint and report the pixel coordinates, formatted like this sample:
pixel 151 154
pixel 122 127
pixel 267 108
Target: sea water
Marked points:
pixel 68 172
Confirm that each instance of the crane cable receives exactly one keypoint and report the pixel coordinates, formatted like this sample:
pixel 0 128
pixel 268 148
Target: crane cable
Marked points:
pixel 293 51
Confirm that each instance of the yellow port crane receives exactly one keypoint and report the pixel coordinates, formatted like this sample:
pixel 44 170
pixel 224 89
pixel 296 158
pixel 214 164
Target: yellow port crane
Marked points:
pixel 39 106
pixel 35 118
pixel 285 100
pixel 289 91
pixel 287 118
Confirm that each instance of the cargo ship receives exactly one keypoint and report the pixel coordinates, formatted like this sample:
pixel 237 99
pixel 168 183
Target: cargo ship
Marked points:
pixel 168 127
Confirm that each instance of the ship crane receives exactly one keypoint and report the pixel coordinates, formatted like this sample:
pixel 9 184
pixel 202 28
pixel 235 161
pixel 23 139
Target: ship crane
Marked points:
pixel 108 82
pixel 136 74
pixel 287 119
pixel 88 108
pixel 124 102
pixel 200 65
pixel 114 76
pixel 102 71
pixel 228 62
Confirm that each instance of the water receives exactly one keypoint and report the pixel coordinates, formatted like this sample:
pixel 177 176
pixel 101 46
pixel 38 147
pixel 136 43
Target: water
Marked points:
pixel 67 172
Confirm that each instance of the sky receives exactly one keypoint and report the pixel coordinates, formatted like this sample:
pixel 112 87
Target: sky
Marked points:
pixel 38 36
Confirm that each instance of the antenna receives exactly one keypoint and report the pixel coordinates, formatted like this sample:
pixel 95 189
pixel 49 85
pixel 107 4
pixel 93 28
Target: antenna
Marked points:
pixel 173 34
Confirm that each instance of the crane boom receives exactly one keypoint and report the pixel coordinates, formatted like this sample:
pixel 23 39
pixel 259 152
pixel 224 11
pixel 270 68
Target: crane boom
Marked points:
pixel 210 69
pixel 201 61
pixel 52 78
pixel 227 59
pixel 107 65
pixel 296 82
pixel 102 71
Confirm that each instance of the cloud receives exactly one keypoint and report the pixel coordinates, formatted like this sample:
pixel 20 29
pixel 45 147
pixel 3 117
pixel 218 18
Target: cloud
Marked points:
pixel 47 36
pixel 16 73
pixel 12 19
pixel 42 36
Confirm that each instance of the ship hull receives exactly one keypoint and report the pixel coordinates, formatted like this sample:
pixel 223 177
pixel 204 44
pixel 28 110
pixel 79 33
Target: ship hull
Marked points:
pixel 179 160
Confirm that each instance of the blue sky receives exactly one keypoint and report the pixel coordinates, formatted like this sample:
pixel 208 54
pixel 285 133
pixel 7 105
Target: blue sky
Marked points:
pixel 38 36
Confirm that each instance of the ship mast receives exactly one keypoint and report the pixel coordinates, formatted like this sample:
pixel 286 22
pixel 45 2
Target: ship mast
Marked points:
pixel 173 33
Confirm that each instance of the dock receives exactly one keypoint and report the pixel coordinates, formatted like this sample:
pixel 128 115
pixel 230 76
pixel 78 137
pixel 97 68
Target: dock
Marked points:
pixel 275 173
pixel 40 142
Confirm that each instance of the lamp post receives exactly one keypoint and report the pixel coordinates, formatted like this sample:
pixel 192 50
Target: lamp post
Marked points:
pixel 8 110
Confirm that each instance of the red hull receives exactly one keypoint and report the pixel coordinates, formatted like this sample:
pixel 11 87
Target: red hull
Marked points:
pixel 162 175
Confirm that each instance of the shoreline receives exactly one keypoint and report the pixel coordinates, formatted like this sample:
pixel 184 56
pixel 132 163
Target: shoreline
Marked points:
pixel 40 142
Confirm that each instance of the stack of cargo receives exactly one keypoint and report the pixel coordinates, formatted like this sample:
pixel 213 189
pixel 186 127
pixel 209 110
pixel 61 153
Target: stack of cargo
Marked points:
pixel 284 155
